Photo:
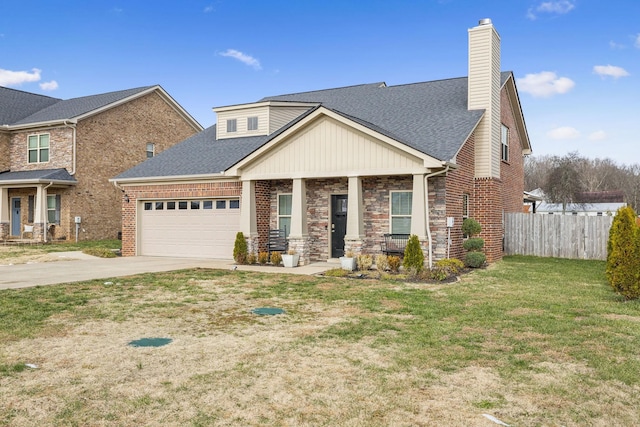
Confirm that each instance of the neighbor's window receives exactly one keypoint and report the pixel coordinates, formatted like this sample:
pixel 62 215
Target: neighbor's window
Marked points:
pixel 38 148
pixel 53 209
pixel 284 213
pixel 504 137
pixel 232 125
pixel 401 211
pixel 151 149
pixel 252 123
pixel 465 206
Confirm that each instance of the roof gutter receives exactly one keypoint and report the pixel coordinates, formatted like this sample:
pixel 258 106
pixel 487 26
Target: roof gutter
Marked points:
pixel 162 179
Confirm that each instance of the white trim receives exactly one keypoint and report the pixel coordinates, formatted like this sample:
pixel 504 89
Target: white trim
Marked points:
pixel 401 216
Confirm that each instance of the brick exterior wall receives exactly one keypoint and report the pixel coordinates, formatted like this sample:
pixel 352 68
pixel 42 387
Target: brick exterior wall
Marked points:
pixel 107 144
pixel 5 144
pixel 512 172
pixel 171 191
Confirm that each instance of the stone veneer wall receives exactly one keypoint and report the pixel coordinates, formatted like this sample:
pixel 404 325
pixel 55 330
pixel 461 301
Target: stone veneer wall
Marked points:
pixel 5 158
pixel 189 190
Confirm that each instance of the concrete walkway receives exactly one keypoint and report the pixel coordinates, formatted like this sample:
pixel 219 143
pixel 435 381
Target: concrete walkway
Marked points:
pixel 83 267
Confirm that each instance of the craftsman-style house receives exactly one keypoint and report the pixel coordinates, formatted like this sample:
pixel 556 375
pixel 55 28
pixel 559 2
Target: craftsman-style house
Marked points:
pixel 56 158
pixel 339 168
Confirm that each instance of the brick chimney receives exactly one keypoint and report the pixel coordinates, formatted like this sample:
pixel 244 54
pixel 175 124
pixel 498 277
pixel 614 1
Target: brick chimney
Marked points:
pixel 484 93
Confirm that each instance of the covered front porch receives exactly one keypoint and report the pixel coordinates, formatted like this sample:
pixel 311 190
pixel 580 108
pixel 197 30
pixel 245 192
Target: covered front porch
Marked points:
pixel 30 204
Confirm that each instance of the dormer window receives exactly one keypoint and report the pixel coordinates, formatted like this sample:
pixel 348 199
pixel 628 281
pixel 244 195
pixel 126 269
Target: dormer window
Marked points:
pixel 232 125
pixel 252 123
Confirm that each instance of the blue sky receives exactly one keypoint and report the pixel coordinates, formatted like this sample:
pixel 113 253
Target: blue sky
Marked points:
pixel 577 62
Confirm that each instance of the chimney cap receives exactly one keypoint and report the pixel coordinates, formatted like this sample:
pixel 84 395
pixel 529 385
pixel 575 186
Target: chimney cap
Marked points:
pixel 485 21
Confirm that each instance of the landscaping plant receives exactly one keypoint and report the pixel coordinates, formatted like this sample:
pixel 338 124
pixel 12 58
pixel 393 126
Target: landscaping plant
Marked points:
pixel 474 257
pixel 240 249
pixel 413 255
pixel 623 254
pixel 276 258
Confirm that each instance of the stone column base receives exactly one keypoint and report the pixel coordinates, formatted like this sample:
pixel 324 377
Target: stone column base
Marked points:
pixel 302 246
pixel 4 230
pixel 353 245
pixel 253 244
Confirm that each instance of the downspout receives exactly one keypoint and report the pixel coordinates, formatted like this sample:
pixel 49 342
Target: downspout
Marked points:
pixel 72 125
pixel 426 194
pixel 45 230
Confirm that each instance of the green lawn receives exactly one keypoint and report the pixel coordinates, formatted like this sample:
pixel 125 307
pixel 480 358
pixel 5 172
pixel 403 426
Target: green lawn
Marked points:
pixel 531 341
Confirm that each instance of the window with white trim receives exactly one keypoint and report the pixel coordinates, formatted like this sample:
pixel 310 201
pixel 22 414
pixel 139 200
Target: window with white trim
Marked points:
pixel 284 212
pixel 465 206
pixel 504 138
pixel 232 125
pixel 400 217
pixel 151 149
pixel 53 209
pixel 38 148
pixel 252 123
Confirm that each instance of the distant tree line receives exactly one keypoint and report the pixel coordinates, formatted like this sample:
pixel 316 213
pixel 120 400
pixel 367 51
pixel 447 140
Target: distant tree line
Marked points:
pixel 565 178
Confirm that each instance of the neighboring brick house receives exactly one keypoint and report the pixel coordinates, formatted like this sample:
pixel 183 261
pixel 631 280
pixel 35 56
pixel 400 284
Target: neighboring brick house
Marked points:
pixel 56 158
pixel 339 168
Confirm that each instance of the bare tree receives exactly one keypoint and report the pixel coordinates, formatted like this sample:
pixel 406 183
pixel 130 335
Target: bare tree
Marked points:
pixel 563 184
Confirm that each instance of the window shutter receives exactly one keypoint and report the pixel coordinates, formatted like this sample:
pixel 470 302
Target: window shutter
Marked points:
pixel 30 209
pixel 57 209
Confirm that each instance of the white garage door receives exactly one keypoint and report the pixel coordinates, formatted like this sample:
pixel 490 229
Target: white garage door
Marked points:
pixel 189 228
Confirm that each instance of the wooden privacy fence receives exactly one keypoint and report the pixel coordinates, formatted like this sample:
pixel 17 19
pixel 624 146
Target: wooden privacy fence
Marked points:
pixel 557 236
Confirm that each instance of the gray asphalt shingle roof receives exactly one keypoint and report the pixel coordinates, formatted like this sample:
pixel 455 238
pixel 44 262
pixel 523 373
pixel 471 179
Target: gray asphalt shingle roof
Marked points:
pixel 15 105
pixel 38 175
pixel 431 117
pixel 71 108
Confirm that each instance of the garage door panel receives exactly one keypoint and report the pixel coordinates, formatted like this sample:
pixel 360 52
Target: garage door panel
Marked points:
pixel 201 233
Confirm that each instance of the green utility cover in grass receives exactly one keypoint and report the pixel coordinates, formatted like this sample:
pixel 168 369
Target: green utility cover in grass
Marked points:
pixel 267 311
pixel 150 342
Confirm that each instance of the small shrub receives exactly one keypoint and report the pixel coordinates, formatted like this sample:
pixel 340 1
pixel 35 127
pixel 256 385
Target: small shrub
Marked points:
pixel 99 252
pixel 263 258
pixel 471 227
pixel 252 258
pixel 276 258
pixel 381 263
pixel 451 266
pixel 438 273
pixel 364 262
pixel 413 255
pixel 473 244
pixel 394 263
pixel 240 249
pixel 474 259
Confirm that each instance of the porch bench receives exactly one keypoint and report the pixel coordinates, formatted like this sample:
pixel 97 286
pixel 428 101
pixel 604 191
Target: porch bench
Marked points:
pixel 277 241
pixel 394 244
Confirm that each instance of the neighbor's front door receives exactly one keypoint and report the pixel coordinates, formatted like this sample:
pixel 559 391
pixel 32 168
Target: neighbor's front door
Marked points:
pixel 15 216
pixel 338 224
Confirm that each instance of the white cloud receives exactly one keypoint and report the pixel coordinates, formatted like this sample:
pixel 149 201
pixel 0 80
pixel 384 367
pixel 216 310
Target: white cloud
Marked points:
pixel 16 78
pixel 614 45
pixel 637 42
pixel 544 84
pixel 610 70
pixel 208 9
pixel 242 57
pixel 553 7
pixel 597 135
pixel 52 85
pixel 564 132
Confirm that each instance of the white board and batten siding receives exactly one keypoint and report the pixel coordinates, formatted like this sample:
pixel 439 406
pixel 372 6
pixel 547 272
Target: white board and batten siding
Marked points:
pixel 557 236
pixel 190 232
pixel 330 148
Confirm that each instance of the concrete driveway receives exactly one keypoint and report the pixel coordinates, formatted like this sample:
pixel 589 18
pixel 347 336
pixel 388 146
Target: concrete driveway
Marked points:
pixel 83 267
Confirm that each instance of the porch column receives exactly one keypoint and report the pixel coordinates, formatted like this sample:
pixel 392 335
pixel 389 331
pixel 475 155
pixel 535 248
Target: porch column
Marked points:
pixel 4 213
pixel 40 214
pixel 299 210
pixel 355 221
pixel 248 217
pixel 418 208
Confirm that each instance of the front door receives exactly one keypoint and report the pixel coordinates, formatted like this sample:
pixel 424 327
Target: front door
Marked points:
pixel 15 216
pixel 338 224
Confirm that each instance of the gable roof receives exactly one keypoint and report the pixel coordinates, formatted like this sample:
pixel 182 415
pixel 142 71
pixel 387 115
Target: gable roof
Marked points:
pixel 430 117
pixel 31 110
